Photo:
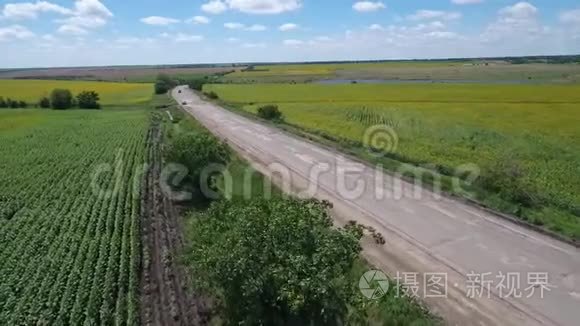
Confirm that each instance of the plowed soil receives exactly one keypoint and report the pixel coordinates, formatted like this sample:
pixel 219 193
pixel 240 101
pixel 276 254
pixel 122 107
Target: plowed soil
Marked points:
pixel 165 297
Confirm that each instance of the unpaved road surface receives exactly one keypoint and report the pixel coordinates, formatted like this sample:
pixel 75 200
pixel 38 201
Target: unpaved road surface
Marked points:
pixel 423 234
pixel 165 299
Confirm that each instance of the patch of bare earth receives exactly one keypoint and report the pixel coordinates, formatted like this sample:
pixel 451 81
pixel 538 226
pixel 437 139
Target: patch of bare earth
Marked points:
pixel 165 298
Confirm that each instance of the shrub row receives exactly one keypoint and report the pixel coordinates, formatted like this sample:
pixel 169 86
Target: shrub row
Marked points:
pixel 62 99
pixel 13 104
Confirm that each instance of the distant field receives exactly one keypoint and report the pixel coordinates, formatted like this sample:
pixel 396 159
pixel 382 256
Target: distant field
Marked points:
pixel 144 74
pixel 437 71
pixel 532 129
pixel 70 254
pixel 328 69
pixel 110 93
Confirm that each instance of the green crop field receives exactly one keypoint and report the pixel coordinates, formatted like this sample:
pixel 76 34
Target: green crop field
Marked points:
pixel 69 214
pixel 110 93
pixel 330 68
pixel 525 138
pixel 413 71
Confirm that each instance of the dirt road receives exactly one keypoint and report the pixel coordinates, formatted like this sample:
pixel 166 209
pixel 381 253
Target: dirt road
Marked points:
pixel 165 299
pixel 424 234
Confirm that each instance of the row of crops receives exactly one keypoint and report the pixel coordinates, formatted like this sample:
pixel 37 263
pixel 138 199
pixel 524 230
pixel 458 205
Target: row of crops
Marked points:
pixel 368 117
pixel 69 216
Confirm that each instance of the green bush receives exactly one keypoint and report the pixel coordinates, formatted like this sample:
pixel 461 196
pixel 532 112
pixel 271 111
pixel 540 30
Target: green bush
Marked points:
pixel 212 95
pixel 196 84
pixel 61 99
pixel 270 112
pixel 275 262
pixel 509 178
pixel 44 103
pixel 197 151
pixel 88 100
pixel 13 104
pixel 163 84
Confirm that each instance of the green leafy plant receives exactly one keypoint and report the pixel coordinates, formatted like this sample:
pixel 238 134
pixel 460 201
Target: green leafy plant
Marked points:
pixel 275 262
pixel 88 100
pixel 44 103
pixel 270 112
pixel 212 95
pixel 196 151
pixel 164 83
pixel 61 99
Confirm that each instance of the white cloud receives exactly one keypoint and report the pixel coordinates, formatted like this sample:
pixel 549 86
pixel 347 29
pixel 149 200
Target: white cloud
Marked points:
pixel 443 35
pixel 264 6
pixel 29 10
pixel 72 30
pixel 47 41
pixel 134 40
pixel 199 20
pixel 323 38
pixel 466 2
pixel 131 42
pixel 293 42
pixel 434 14
pixel 288 27
pixel 256 28
pixel 85 21
pixel 214 7
pixel 252 6
pixel 159 21
pixel 48 38
pixel 376 27
pixel 91 8
pixel 233 40
pixel 188 38
pixel 251 28
pixel 86 15
pixel 521 10
pixel 570 17
pixel 15 32
pixel 519 21
pixel 431 26
pixel 254 45
pixel 234 26
pixel 368 6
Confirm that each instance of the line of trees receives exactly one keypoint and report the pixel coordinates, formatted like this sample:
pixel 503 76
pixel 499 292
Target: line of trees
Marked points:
pixel 165 83
pixel 59 99
pixel 268 262
pixel 12 104
pixel 63 99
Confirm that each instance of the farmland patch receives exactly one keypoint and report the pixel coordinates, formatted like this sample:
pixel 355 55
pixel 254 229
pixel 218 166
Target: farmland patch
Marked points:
pixel 110 93
pixel 69 231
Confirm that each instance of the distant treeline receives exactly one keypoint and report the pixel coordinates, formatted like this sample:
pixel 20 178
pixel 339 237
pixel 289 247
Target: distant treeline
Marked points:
pixel 543 59
pixel 12 104
pixel 515 60
pixel 164 82
pixel 525 59
pixel 61 77
pixel 59 99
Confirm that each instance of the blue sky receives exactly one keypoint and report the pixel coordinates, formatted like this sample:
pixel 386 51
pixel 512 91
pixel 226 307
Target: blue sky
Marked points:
pixel 107 32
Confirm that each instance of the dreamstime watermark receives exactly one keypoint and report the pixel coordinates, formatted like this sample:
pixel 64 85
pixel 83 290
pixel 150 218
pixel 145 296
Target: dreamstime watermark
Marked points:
pixel 309 175
pixel 348 180
pixel 380 140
